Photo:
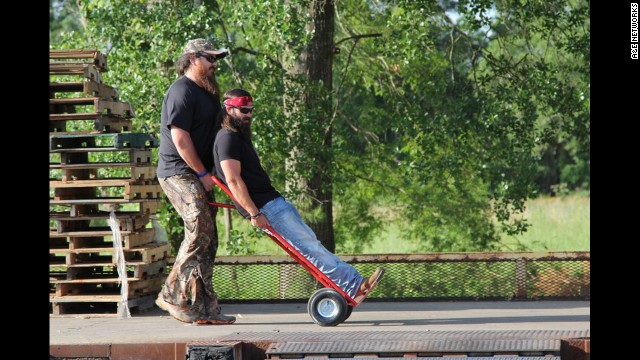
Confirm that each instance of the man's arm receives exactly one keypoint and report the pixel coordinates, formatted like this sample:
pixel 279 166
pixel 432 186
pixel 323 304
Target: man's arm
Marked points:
pixel 231 169
pixel 184 145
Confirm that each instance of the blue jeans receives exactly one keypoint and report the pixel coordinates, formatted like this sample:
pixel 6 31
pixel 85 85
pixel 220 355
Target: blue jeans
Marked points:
pixel 285 219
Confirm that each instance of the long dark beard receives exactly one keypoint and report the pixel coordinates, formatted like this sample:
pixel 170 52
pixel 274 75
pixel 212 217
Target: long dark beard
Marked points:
pixel 235 124
pixel 209 83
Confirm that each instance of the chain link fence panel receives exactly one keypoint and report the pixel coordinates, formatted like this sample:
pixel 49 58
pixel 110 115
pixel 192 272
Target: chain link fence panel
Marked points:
pixel 410 277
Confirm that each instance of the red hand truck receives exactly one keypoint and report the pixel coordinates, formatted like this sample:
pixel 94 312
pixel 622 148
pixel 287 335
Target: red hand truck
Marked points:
pixel 329 306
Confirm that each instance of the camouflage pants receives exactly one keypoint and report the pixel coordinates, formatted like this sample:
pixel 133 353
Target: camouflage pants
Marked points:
pixel 189 284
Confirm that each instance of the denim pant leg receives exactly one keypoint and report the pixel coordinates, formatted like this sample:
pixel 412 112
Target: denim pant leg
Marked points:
pixel 285 219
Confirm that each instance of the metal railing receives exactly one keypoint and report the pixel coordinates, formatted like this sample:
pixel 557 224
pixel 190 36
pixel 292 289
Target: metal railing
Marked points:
pixel 410 277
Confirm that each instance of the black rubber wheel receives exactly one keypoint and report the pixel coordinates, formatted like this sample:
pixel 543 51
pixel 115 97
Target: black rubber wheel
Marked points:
pixel 349 310
pixel 327 307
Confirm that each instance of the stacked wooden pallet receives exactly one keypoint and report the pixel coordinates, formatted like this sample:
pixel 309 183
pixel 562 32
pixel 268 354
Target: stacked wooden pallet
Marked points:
pixel 98 168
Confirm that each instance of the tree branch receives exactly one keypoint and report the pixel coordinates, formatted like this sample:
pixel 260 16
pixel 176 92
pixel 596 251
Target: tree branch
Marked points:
pixel 381 183
pixel 357 37
pixel 344 76
pixel 234 71
pixel 476 51
pixel 346 68
pixel 253 52
pixel 453 77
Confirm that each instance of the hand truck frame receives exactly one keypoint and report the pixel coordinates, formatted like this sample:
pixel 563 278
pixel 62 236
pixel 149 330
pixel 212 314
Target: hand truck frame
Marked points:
pixel 329 306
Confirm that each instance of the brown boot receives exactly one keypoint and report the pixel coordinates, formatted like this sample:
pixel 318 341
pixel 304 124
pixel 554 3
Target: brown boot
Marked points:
pixel 180 313
pixel 218 319
pixel 215 317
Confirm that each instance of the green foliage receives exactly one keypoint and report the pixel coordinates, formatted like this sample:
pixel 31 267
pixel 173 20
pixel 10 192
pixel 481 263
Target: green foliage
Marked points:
pixel 452 124
pixel 541 52
pixel 245 239
pixel 239 244
pixel 434 152
pixel 356 224
pixel 63 19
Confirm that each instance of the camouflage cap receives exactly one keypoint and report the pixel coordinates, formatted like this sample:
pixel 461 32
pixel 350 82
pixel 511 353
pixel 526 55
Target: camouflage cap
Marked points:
pixel 203 45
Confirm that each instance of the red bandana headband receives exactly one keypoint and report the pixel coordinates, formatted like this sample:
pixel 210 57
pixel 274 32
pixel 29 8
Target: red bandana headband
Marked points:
pixel 239 101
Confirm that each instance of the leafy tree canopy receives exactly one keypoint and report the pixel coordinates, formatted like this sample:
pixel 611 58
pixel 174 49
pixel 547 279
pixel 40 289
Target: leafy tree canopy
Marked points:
pixel 443 116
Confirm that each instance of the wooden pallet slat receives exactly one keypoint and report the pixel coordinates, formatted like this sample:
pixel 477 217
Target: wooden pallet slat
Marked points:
pixel 118 140
pixel 100 165
pixel 107 274
pixel 99 183
pixel 107 260
pixel 112 124
pixel 97 232
pixel 101 123
pixel 145 206
pixel 100 90
pixel 139 270
pixel 70 171
pixel 151 191
pixel 120 108
pixel 88 87
pixel 74 116
pixel 139 157
pixel 130 239
pixel 87 71
pixel 115 202
pixel 94 56
pixel 94 280
pixel 106 286
pixel 133 189
pixel 102 306
pixel 145 254
pixel 135 218
pixel 101 106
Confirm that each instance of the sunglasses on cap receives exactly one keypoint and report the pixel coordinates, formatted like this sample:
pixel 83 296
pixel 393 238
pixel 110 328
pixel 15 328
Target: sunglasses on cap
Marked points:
pixel 210 58
pixel 244 110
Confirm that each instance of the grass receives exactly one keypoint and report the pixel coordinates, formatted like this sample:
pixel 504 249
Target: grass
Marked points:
pixel 557 224
pixel 391 242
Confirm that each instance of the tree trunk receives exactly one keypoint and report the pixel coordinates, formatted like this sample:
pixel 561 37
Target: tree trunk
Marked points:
pixel 315 63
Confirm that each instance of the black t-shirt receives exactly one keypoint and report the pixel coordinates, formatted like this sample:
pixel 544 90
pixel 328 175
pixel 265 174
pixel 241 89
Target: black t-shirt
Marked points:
pixel 231 145
pixel 193 109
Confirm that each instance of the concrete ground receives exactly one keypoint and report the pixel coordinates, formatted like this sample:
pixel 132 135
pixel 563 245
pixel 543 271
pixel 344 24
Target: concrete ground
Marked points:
pixel 157 326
